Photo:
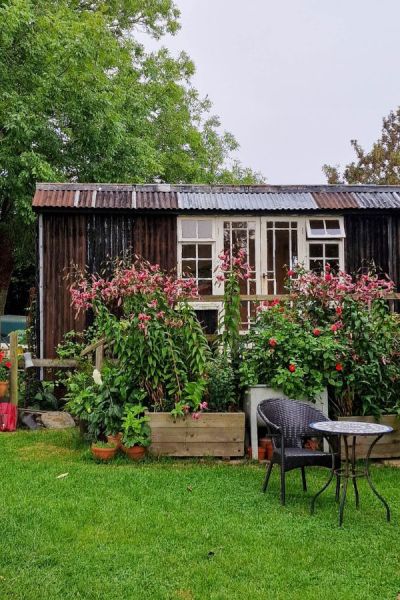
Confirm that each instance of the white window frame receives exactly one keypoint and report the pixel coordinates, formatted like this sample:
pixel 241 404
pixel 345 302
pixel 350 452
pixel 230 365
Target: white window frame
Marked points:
pixel 326 235
pixel 217 241
pixel 213 241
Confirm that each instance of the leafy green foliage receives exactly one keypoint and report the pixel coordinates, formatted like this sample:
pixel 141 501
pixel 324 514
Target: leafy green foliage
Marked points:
pixel 82 100
pixel 135 426
pixel 283 352
pixel 222 390
pixel 381 165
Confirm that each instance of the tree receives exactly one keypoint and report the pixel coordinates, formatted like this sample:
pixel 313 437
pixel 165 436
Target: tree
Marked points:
pixel 381 165
pixel 81 100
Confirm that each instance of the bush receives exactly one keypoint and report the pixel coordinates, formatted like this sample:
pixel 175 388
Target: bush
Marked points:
pixel 222 395
pixel 334 331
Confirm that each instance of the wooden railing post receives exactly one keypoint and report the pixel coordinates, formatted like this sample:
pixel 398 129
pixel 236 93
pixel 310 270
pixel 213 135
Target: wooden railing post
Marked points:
pixel 14 368
pixel 99 357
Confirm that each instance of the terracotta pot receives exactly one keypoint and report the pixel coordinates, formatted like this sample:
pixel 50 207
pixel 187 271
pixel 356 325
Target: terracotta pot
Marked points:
pixel 261 453
pixel 115 439
pixel 134 453
pixel 104 453
pixel 3 388
pixel 269 450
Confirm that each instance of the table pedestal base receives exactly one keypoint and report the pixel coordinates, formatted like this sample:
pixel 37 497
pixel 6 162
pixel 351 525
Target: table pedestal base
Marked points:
pixel 349 472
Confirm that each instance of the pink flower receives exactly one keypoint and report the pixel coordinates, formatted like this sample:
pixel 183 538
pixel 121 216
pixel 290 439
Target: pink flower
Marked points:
pixel 160 314
pixel 221 278
pixel 203 405
pixel 195 416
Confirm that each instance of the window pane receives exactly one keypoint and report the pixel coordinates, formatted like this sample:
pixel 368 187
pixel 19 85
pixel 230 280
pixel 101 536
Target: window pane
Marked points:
pixel 204 229
pixel 204 250
pixel 282 258
pixel 189 268
pixel 316 266
pixel 282 225
pixel 316 250
pixel 294 249
pixel 331 250
pixel 205 287
pixel 189 229
pixel 239 240
pixel 269 224
pixel 239 225
pixel 205 269
pixel 189 251
pixel 317 227
pixel 333 227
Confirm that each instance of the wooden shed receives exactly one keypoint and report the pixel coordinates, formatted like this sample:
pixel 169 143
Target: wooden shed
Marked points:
pixel 185 227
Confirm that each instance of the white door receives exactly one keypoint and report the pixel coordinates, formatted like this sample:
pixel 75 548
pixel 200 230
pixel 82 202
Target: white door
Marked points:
pixel 282 247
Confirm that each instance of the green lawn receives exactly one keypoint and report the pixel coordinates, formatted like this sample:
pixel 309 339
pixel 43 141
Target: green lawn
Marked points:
pixel 181 530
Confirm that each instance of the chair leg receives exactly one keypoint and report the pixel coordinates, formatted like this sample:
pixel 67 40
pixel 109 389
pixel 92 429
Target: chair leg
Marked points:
pixel 283 485
pixel 267 476
pixel 337 495
pixel 303 478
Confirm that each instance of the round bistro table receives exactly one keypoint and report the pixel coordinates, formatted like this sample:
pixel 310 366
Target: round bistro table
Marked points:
pixel 348 470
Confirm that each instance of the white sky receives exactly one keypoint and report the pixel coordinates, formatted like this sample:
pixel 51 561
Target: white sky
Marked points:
pixel 295 80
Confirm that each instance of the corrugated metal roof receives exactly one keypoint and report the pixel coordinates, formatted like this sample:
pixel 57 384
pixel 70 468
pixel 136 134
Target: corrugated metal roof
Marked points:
pixel 246 201
pixel 379 199
pixel 165 197
pixel 335 200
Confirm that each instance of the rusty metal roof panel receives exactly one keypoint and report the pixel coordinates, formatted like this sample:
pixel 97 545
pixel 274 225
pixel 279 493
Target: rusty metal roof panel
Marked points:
pixel 155 200
pixel 378 199
pixel 54 198
pixel 335 200
pixel 242 201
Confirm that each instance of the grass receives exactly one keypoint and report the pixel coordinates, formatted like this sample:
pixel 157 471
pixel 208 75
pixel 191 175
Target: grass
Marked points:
pixel 182 530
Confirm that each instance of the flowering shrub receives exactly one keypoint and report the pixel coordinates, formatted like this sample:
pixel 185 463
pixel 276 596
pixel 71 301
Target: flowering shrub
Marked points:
pixel 335 331
pixel 152 332
pixel 5 366
pixel 234 270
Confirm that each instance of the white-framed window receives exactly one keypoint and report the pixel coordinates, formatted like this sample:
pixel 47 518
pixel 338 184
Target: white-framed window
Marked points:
pixel 325 243
pixel 325 228
pixel 196 252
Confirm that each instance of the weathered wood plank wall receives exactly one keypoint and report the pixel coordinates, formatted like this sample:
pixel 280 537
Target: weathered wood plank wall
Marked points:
pixel 93 240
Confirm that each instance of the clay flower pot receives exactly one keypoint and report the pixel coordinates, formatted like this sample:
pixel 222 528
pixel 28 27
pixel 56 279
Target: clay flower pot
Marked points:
pixel 261 453
pixel 104 453
pixel 3 388
pixel 115 439
pixel 134 453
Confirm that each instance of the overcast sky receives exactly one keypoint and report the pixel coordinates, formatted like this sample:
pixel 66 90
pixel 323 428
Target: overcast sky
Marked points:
pixel 295 80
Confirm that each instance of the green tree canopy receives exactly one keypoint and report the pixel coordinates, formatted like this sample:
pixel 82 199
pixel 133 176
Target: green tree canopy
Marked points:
pixel 82 100
pixel 381 165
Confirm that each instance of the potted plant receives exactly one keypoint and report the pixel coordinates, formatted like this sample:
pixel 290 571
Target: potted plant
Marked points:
pixel 104 450
pixel 135 431
pixel 5 367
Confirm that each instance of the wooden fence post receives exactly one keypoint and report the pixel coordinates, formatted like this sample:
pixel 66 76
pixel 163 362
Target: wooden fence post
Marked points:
pixel 99 357
pixel 14 368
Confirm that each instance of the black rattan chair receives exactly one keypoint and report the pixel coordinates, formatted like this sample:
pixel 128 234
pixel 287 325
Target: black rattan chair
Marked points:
pixel 288 424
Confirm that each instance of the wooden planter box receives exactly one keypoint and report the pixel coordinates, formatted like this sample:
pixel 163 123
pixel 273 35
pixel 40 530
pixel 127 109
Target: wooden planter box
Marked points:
pixel 213 434
pixel 387 447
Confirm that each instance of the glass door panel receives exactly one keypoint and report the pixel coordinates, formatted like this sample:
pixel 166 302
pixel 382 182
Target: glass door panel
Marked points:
pixel 279 252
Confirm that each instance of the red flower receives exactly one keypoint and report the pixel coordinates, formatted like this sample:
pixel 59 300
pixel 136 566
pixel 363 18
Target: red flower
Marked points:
pixel 2 355
pixel 339 367
pixel 8 364
pixel 290 273
pixel 272 342
pixel 328 277
pixel 292 368
pixel 339 310
pixel 316 331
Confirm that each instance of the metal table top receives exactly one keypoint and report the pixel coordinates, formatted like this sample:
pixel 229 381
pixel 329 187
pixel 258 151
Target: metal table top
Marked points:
pixel 351 428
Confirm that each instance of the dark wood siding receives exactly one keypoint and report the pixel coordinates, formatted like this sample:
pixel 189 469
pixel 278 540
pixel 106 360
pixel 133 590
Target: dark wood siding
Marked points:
pixel 64 243
pixel 108 236
pixel 155 239
pixel 93 240
pixel 367 241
